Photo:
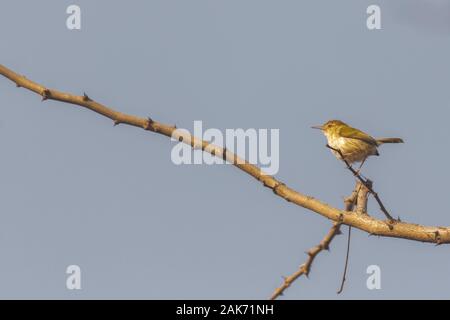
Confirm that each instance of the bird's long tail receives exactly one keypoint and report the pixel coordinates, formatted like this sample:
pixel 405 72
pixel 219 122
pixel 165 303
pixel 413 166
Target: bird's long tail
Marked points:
pixel 389 140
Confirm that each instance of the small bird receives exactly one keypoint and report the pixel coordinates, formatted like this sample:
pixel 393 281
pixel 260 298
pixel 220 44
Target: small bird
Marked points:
pixel 354 145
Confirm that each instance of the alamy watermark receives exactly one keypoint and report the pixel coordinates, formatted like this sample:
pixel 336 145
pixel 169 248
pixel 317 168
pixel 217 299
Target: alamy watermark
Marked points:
pixel 73 21
pixel 374 280
pixel 373 21
pixel 252 145
pixel 73 281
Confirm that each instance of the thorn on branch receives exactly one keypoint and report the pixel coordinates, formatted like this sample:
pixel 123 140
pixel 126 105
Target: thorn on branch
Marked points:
pixel 263 181
pixel 437 237
pixel 45 94
pixel 117 122
pixel 275 188
pixel 150 125
pixel 86 97
pixel 306 273
pixel 390 224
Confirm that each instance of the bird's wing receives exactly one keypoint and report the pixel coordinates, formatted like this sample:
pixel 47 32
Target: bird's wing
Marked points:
pixel 349 132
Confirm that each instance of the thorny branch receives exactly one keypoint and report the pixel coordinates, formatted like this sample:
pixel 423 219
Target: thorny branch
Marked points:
pixel 305 268
pixel 365 222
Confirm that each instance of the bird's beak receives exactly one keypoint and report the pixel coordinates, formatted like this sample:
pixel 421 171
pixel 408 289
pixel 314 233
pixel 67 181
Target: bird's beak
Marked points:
pixel 317 127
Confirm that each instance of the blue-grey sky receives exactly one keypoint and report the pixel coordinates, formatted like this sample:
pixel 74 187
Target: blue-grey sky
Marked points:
pixel 76 190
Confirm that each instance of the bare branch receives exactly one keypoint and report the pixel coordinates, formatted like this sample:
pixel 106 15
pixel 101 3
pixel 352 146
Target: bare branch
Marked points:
pixel 305 268
pixel 438 235
pixel 361 202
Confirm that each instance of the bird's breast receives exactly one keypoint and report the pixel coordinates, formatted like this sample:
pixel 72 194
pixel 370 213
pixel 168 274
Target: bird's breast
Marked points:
pixel 338 143
pixel 353 150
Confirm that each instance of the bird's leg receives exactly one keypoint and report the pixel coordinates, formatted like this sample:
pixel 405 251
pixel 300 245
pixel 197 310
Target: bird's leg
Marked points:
pixel 360 166
pixel 349 166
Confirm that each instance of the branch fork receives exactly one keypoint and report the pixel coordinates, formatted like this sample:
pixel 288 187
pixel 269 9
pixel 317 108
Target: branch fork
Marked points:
pixel 368 184
pixel 357 198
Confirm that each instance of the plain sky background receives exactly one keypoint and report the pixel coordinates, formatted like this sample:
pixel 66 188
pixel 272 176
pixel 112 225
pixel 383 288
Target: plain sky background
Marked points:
pixel 76 190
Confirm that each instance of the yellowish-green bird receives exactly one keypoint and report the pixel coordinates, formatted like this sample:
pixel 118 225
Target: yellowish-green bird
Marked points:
pixel 354 145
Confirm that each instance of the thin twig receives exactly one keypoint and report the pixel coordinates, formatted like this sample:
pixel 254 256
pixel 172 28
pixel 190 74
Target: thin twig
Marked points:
pixel 304 269
pixel 346 260
pixel 432 234
pixel 366 184
pixel 360 189
pixel 361 208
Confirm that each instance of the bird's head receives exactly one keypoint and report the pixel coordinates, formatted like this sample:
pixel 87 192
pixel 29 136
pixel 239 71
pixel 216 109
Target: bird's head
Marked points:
pixel 330 127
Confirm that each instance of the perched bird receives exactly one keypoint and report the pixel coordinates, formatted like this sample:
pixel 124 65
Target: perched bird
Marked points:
pixel 353 144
